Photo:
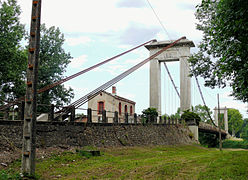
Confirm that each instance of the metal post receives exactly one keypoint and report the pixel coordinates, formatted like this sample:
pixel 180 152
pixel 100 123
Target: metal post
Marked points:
pixel 135 118
pixel 72 117
pixel 51 113
pixel 6 114
pixel 116 117
pixel 104 118
pixel 29 126
pixel 126 118
pixel 22 110
pixel 220 140
pixel 89 115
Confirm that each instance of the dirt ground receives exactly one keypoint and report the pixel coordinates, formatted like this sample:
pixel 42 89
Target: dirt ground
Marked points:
pixel 10 153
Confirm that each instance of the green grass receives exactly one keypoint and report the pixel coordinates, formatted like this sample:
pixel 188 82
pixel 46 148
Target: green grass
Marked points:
pixel 159 162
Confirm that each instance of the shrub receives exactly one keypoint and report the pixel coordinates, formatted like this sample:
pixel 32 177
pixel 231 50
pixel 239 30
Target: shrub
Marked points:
pixel 191 117
pixel 235 144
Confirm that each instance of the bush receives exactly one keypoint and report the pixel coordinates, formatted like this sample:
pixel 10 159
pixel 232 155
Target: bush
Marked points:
pixel 208 140
pixel 191 117
pixel 235 144
pixel 149 115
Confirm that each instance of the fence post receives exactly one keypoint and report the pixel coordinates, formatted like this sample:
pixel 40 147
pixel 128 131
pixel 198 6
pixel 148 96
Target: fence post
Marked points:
pixel 126 118
pixel 6 114
pixel 51 113
pixel 160 119
pixel 135 118
pixel 169 120
pixel 72 117
pixel 89 115
pixel 22 110
pixel 104 118
pixel 116 117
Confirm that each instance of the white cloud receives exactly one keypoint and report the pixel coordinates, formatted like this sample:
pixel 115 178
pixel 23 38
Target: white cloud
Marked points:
pixel 78 41
pixel 113 69
pixel 78 62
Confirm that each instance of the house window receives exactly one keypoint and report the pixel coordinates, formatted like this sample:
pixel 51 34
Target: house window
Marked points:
pixel 125 108
pixel 100 107
pixel 119 108
pixel 131 110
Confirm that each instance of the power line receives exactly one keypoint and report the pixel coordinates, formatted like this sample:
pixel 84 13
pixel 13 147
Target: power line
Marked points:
pixel 163 27
pixel 160 22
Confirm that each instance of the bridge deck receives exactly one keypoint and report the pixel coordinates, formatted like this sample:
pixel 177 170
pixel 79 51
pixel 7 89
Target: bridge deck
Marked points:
pixel 204 127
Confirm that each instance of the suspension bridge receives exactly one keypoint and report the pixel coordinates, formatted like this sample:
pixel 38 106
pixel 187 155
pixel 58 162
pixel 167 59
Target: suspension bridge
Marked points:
pixel 160 53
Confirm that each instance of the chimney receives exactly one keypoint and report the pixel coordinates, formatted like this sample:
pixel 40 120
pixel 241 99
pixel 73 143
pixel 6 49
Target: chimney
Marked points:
pixel 113 90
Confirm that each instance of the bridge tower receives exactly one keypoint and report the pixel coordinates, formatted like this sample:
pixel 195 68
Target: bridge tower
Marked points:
pixel 180 52
pixel 223 110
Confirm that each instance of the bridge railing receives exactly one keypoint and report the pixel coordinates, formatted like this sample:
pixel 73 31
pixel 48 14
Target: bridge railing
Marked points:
pixel 47 113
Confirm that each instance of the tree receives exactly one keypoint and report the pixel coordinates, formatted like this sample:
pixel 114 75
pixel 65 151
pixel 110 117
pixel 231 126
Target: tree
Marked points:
pixel 13 57
pixel 222 58
pixel 191 117
pixel 53 63
pixel 244 130
pixel 149 115
pixel 235 122
pixel 173 116
pixel 202 113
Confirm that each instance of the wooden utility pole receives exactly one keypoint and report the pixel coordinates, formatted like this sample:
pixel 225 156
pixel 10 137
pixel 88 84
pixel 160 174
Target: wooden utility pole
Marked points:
pixel 219 124
pixel 29 126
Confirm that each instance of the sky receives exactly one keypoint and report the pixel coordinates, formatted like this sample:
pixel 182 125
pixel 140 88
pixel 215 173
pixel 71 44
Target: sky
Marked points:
pixel 96 30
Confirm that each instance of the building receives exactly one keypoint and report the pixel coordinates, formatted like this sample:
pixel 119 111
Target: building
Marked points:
pixel 111 103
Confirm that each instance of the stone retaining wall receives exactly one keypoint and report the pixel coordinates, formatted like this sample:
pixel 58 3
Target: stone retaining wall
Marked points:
pixel 64 134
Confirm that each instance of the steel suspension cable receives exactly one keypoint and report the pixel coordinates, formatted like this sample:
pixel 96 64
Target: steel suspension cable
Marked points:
pixel 173 83
pixel 90 68
pixel 95 92
pixel 203 100
pixel 75 75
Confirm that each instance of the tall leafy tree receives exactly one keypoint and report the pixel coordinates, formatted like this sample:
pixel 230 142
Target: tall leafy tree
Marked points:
pixel 12 55
pixel 222 58
pixel 53 63
pixel 202 112
pixel 244 130
pixel 235 122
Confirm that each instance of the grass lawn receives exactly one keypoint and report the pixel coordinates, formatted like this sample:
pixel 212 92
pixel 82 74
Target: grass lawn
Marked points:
pixel 156 162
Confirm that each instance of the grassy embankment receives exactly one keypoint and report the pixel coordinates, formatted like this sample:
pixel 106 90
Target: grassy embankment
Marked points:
pixel 161 162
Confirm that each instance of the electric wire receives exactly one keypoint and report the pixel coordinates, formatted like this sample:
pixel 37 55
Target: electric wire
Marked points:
pixel 163 27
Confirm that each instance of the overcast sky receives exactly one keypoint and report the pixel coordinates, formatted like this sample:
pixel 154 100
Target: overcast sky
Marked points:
pixel 95 30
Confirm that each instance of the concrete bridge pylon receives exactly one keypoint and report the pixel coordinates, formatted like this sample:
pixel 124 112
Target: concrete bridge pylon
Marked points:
pixel 179 52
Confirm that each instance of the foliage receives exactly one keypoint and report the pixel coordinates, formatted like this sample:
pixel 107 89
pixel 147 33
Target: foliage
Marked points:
pixel 149 115
pixel 189 116
pixel 53 63
pixel 208 139
pixel 202 113
pixel 12 55
pixel 235 144
pixel 173 116
pixel 244 130
pixel 13 59
pixel 222 58
pixel 235 122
